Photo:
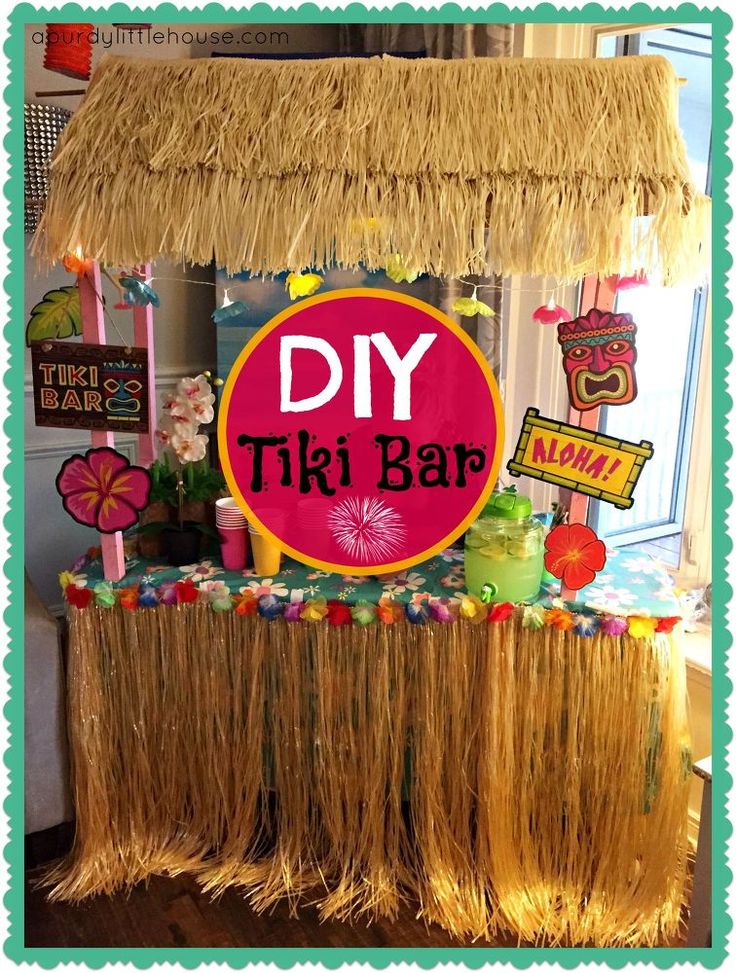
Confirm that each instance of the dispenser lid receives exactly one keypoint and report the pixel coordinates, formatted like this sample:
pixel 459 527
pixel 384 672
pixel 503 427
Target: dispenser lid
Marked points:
pixel 509 505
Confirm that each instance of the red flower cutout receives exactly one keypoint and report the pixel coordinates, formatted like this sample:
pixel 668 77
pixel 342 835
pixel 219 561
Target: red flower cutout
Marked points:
pixel 338 613
pixel 186 591
pixel 500 612
pixel 574 554
pixel 79 597
pixel 666 624
pixel 102 490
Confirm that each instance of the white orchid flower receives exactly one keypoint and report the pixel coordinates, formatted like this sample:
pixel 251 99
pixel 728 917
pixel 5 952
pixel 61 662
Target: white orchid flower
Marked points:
pixel 189 448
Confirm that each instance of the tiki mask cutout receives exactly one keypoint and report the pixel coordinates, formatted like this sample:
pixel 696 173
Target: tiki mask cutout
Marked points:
pixel 598 355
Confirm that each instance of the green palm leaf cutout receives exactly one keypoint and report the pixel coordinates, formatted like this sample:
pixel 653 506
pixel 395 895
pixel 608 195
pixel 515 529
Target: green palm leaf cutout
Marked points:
pixel 57 315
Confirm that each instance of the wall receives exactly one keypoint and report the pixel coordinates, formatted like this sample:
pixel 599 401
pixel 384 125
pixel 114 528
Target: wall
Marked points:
pixel 185 334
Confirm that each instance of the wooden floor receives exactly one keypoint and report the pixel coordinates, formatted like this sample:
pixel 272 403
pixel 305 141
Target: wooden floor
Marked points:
pixel 172 912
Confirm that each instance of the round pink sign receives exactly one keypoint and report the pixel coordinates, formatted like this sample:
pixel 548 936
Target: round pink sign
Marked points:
pixel 362 429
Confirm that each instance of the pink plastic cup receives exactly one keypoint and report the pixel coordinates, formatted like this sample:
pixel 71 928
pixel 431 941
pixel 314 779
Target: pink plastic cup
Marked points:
pixel 233 547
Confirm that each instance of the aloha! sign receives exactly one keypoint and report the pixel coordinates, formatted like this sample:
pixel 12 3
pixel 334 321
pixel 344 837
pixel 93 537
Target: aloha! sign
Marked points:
pixel 362 429
pixel 588 462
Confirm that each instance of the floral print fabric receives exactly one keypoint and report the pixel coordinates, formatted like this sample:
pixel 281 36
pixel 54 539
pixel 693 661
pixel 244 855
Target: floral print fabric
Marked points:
pixel 631 584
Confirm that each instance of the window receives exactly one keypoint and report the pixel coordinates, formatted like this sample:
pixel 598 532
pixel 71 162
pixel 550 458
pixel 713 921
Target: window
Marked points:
pixel 672 499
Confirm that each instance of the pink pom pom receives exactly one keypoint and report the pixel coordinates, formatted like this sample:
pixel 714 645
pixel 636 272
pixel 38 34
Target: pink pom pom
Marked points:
pixel 613 625
pixel 440 612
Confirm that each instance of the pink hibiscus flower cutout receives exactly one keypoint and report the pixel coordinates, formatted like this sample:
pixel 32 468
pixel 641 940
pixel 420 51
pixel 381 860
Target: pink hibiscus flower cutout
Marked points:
pixel 102 490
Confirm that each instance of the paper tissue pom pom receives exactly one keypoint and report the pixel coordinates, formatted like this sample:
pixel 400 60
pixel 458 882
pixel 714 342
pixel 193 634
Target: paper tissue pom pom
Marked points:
pixel 613 625
pixel 636 280
pixel 397 271
pixel 389 611
pixel 302 285
pixel 270 607
pixel 585 624
pixel 186 591
pixel 293 611
pixel 79 597
pixel 417 613
pixel 533 617
pixel 551 313
pixel 104 594
pixel 473 609
pixel 136 291
pixel 66 578
pixel 439 611
pixel 641 627
pixel 500 612
pixel 167 593
pixel 229 311
pixel 338 613
pixel 128 598
pixel 468 307
pixel 246 603
pixel 667 624
pixel 223 604
pixel 364 613
pixel 559 618
pixel 147 596
pixel 314 609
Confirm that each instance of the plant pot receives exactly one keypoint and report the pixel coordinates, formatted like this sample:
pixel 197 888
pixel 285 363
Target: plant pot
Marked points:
pixel 151 545
pixel 182 546
pixel 196 512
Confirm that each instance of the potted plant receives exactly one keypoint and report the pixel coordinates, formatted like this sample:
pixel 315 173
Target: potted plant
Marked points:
pixel 179 519
pixel 161 502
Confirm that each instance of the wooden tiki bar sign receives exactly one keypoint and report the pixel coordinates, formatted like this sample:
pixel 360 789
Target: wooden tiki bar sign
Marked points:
pixel 90 386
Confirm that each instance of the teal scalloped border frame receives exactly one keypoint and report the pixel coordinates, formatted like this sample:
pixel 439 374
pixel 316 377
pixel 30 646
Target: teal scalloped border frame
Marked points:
pixel 14 946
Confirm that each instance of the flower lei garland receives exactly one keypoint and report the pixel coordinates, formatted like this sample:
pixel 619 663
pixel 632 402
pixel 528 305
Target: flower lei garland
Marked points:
pixel 334 612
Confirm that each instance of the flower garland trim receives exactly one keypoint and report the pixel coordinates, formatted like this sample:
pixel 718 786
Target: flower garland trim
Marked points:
pixel 388 611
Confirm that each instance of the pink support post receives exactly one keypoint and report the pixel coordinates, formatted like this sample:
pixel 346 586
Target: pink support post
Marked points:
pixel 600 294
pixel 143 338
pixel 93 332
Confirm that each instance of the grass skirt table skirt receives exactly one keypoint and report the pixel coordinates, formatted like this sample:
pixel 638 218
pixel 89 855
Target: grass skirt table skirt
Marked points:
pixel 503 778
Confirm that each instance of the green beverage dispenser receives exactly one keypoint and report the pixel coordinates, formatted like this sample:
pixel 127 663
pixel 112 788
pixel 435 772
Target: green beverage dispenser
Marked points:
pixel 504 550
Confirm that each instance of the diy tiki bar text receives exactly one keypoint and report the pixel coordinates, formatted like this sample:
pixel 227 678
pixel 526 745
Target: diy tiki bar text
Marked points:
pixel 307 465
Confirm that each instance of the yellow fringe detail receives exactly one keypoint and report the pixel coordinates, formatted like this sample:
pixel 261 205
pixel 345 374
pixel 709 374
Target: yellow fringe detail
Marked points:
pixel 473 166
pixel 545 772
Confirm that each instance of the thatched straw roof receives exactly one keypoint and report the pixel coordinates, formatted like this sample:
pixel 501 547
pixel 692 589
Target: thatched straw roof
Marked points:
pixel 469 166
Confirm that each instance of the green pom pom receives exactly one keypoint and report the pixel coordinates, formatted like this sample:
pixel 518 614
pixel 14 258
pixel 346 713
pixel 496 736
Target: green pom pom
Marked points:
pixel 104 594
pixel 222 605
pixel 533 617
pixel 364 613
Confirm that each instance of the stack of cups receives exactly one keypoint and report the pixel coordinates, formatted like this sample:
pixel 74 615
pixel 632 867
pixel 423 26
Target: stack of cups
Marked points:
pixel 312 515
pixel 233 530
pixel 266 554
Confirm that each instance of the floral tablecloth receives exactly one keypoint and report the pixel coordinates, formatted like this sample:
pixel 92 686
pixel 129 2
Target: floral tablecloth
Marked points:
pixel 631 583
